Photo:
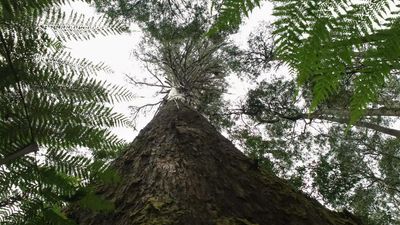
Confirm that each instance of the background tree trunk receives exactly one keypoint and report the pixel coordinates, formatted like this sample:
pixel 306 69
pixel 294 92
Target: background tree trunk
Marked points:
pixel 180 170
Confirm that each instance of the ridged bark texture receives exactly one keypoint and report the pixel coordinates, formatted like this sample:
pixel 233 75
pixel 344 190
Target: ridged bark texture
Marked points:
pixel 181 170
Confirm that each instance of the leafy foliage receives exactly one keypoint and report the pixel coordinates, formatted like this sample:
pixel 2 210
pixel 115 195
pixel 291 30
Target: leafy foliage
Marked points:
pixel 258 57
pixel 51 106
pixel 341 58
pixel 231 13
pixel 344 56
pixel 10 9
pixel 323 42
pixel 365 178
pixel 77 26
pixel 163 20
pixel 313 151
pixel 357 170
pixel 193 66
pixel 177 54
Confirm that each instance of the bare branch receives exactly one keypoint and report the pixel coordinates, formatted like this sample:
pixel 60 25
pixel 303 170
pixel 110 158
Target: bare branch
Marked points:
pixel 136 110
pixel 141 83
pixel 24 151
pixel 154 75
pixel 337 118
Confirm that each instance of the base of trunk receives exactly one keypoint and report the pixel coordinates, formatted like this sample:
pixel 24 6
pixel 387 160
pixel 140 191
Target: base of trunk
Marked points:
pixel 180 170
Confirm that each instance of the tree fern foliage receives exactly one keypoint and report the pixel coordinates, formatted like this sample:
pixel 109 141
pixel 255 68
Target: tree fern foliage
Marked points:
pixel 50 106
pixel 323 42
pixel 231 13
pixel 11 8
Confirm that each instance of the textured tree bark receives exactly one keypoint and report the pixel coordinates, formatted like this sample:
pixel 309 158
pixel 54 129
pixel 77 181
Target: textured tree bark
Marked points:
pixel 180 170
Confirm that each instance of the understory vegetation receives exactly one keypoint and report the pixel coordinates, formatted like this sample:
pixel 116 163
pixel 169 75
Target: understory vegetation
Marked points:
pixel 329 125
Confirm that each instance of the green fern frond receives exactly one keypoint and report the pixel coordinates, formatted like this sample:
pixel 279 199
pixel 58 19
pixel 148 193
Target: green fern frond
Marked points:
pixel 52 102
pixel 231 14
pixel 77 26
pixel 324 40
pixel 9 9
pixel 62 61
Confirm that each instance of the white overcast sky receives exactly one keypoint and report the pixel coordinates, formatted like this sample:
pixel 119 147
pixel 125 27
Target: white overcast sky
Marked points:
pixel 116 52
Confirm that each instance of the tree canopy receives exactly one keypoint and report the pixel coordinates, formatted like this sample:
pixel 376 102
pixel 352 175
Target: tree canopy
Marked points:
pixel 340 73
pixel 327 43
pixel 343 63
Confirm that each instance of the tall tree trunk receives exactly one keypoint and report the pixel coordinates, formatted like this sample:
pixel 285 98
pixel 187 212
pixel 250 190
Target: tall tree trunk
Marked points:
pixel 180 170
